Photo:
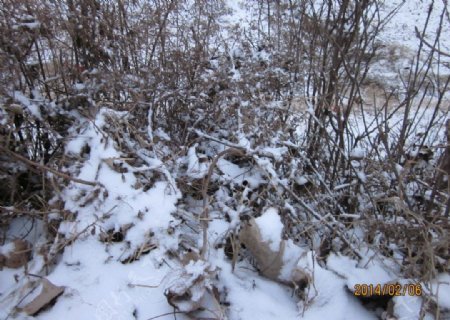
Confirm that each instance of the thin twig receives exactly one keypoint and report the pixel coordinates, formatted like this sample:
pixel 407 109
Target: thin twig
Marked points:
pixel 205 215
pixel 45 168
pixel 433 47
pixel 166 314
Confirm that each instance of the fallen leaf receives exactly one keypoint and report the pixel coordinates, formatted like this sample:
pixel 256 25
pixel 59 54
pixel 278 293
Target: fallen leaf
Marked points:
pixel 18 256
pixel 189 285
pixel 48 294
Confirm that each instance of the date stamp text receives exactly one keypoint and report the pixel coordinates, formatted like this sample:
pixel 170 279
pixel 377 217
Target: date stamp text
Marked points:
pixel 388 289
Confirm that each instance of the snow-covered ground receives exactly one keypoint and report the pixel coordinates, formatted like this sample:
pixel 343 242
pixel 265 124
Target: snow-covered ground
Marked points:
pixel 129 278
pixel 413 14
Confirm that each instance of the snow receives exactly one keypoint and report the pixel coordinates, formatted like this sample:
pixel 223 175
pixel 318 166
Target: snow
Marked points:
pixel 254 297
pixel 145 210
pixel 243 141
pixel 372 273
pixel 302 180
pixel 440 287
pixel 358 153
pixel 75 145
pixel 238 15
pixel 328 298
pixel 271 228
pixel 411 14
pixel 79 86
pixel 361 176
pixel 196 268
pixel 29 25
pixel 102 283
pixel 196 169
pixel 408 307
pixel 6 249
pixel 3 117
pixel 161 134
pixel 29 105
pixel 276 153
pixel 233 172
pixel 101 288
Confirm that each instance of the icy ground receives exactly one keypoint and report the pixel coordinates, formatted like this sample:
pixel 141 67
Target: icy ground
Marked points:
pixel 127 279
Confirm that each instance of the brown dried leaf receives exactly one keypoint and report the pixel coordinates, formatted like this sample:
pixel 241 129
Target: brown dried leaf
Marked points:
pixel 18 257
pixel 48 294
pixel 269 262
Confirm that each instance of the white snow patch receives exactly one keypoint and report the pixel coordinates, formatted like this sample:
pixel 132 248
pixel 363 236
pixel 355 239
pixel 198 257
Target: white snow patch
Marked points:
pixel 196 169
pixel 79 86
pixel 440 287
pixel 254 297
pixel 29 105
pixel 361 176
pixel 372 273
pixel 161 134
pixel 408 307
pixel 277 153
pixel 271 228
pixel 358 153
pixel 233 172
pixel 6 249
pixel 328 298
pixel 301 180
pixel 102 288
